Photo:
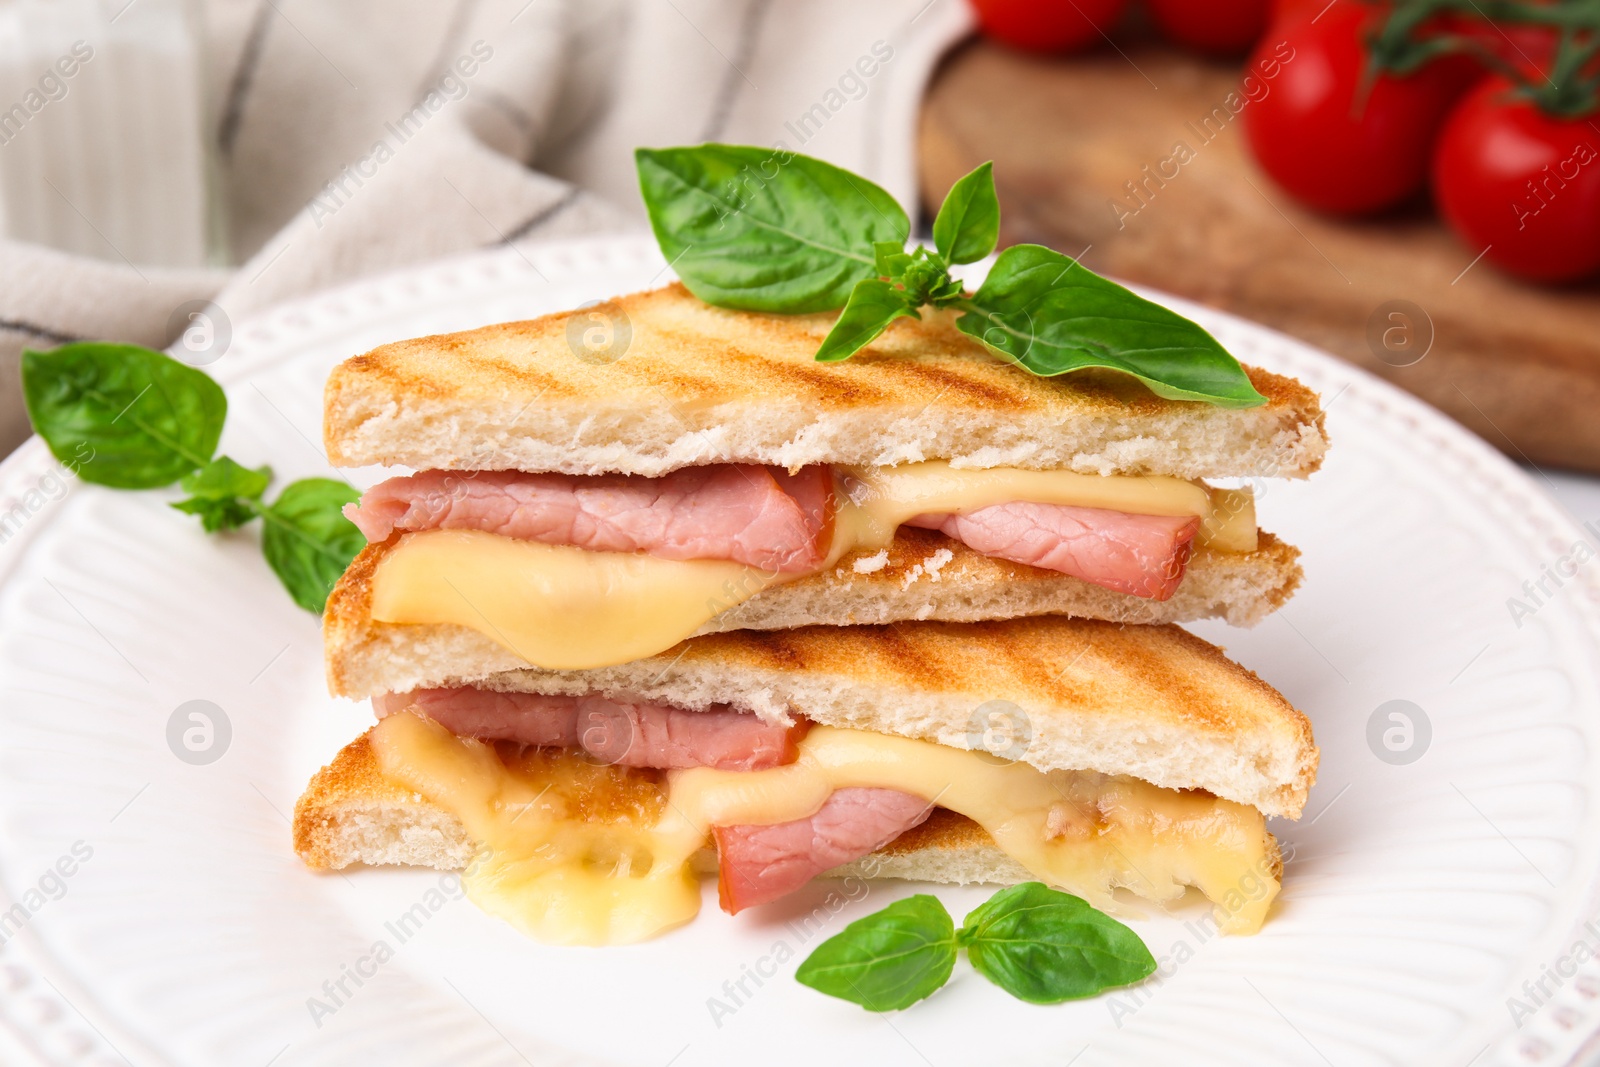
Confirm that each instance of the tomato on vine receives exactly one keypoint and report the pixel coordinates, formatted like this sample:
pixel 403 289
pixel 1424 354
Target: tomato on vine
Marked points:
pixel 1521 183
pixel 1338 136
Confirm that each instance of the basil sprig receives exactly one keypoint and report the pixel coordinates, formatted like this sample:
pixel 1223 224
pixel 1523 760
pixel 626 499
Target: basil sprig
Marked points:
pixel 769 230
pixel 132 418
pixel 1038 944
pixel 223 493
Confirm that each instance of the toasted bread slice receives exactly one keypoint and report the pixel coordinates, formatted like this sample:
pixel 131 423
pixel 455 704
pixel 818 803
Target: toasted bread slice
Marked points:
pixel 350 813
pixel 923 576
pixel 1154 702
pixel 654 381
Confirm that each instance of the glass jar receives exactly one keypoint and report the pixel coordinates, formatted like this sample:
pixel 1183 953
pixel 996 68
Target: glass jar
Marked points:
pixel 103 130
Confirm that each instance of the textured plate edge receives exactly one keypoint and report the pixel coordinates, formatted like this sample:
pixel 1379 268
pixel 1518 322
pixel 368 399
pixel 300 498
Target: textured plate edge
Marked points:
pixel 1547 520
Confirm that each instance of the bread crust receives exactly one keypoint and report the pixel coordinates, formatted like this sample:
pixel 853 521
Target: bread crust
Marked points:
pixel 694 384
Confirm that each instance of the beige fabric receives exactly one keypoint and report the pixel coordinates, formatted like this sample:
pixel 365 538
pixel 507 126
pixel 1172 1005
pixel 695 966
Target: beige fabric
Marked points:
pixel 350 142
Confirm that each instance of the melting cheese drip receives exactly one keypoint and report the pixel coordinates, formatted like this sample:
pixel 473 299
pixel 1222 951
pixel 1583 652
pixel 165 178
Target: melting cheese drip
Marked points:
pixel 567 608
pixel 577 853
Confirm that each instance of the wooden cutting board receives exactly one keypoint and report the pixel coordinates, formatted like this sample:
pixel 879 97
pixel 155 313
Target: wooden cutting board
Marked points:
pixel 1399 296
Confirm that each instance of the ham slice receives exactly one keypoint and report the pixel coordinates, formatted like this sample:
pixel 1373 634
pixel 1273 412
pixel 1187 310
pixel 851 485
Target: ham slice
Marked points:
pixel 759 864
pixel 627 734
pixel 765 517
pixel 759 516
pixel 1144 555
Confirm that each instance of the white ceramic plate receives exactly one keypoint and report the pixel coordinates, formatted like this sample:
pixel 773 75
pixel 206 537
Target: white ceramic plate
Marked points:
pixel 1421 895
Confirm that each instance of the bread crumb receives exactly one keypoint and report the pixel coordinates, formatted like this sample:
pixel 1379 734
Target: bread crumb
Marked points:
pixel 873 564
pixel 929 566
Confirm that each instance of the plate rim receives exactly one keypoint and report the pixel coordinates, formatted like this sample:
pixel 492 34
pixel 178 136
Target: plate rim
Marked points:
pixel 1547 519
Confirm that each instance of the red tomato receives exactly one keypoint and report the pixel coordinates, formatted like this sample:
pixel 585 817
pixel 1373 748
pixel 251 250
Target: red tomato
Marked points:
pixel 1282 10
pixel 1048 25
pixel 1331 147
pixel 1216 27
pixel 1522 183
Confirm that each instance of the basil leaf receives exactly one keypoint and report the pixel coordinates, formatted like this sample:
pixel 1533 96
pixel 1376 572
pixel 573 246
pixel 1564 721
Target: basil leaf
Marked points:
pixel 890 258
pixel 873 305
pixel 122 415
pixel 968 224
pixel 307 540
pixel 889 960
pixel 222 493
pixel 1045 946
pixel 222 478
pixel 762 229
pixel 1047 313
pixel 226 514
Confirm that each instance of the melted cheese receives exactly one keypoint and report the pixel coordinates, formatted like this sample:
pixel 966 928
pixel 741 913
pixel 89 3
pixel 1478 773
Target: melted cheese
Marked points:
pixel 876 501
pixel 567 608
pixel 556 606
pixel 577 853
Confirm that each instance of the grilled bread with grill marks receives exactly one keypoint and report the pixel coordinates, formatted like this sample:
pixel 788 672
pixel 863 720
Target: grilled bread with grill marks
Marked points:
pixel 1154 702
pixel 658 380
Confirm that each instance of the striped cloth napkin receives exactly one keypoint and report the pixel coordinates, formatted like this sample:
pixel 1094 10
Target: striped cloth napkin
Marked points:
pixel 359 136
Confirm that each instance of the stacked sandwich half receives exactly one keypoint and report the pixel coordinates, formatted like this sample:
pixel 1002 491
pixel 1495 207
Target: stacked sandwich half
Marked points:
pixel 699 603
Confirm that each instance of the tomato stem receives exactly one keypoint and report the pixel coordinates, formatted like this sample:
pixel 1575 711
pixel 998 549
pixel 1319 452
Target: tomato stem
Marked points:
pixel 1410 37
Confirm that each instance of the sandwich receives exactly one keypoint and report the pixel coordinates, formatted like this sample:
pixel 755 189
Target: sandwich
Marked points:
pixel 583 805
pixel 705 474
pixel 708 605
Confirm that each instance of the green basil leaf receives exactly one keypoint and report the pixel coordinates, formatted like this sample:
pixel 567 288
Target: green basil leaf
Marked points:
pixel 122 415
pixel 308 541
pixel 889 960
pixel 873 305
pixel 222 493
pixel 226 513
pixel 1045 946
pixel 763 229
pixel 1051 315
pixel 222 478
pixel 968 224
pixel 927 280
pixel 890 258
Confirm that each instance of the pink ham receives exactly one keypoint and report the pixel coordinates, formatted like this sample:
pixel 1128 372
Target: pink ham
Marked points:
pixel 1144 555
pixel 759 864
pixel 766 518
pixel 759 516
pixel 626 734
